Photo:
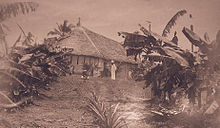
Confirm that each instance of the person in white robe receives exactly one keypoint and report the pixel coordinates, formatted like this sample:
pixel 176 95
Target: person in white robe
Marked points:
pixel 113 69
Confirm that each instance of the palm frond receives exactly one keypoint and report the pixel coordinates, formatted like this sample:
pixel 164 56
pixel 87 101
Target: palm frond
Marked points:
pixel 11 103
pixel 206 37
pixel 17 65
pixel 18 40
pixel 13 77
pixel 6 97
pixel 156 36
pixel 8 10
pixel 23 72
pixel 172 22
pixel 3 39
pixel 6 27
pixel 71 26
pixel 54 32
pixel 59 27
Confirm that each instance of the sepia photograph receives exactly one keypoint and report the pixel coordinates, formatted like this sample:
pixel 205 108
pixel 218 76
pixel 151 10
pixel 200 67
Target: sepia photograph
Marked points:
pixel 109 63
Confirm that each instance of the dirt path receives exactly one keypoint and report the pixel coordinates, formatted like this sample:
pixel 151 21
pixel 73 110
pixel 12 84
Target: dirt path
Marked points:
pixel 66 108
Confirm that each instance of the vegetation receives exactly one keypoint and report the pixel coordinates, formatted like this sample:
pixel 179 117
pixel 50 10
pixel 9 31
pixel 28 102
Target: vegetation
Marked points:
pixel 168 68
pixel 33 68
pixel 8 10
pixel 177 76
pixel 106 118
pixel 63 29
pixel 172 22
pixel 30 67
pixel 170 71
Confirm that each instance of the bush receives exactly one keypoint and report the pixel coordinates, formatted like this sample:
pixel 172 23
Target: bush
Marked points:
pixel 106 117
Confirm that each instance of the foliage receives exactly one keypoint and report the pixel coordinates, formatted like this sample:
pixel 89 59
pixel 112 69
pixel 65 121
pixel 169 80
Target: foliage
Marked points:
pixel 172 22
pixel 3 41
pixel 32 68
pixel 8 10
pixel 63 29
pixel 29 67
pixel 107 117
pixel 174 74
pixel 166 67
pixel 196 40
pixel 170 67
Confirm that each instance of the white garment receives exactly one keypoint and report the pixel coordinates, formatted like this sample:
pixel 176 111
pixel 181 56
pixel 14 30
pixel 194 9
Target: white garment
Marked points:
pixel 113 69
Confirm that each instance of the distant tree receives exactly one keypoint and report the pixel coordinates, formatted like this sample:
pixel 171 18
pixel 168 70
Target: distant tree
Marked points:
pixel 8 10
pixel 62 30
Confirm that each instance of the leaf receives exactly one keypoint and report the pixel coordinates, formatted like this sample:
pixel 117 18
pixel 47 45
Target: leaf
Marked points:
pixel 157 36
pixel 62 30
pixel 196 40
pixel 7 10
pixel 6 27
pixel 18 40
pixel 108 118
pixel 11 103
pixel 23 72
pixel 172 22
pixel 206 37
pixel 176 56
pixel 13 77
pixel 55 32
pixel 3 40
pixel 71 26
pixel 4 95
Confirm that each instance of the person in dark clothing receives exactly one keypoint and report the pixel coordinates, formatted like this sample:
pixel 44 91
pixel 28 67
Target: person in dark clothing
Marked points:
pixel 85 75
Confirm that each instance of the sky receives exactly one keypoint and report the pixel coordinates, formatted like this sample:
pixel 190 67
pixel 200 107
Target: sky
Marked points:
pixel 107 17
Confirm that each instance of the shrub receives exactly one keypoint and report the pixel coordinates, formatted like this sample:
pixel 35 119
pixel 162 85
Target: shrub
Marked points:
pixel 106 117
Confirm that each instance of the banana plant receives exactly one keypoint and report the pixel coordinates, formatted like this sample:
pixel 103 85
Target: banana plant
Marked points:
pixel 172 22
pixel 171 67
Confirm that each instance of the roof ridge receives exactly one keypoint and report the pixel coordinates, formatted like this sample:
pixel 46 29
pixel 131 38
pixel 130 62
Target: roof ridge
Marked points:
pixel 116 42
pixel 90 40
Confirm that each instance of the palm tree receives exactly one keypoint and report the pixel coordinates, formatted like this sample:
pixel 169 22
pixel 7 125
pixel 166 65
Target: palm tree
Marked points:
pixel 62 30
pixel 8 10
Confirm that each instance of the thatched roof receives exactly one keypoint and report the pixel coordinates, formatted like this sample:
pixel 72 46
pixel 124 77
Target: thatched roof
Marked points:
pixel 88 43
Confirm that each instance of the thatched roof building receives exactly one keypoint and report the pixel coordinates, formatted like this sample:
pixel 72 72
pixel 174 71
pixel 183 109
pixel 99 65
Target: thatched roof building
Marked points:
pixel 92 48
pixel 88 43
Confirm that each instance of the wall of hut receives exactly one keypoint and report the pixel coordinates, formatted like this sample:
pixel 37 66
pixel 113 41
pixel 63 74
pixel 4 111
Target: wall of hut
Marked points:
pixel 79 60
pixel 99 64
pixel 124 70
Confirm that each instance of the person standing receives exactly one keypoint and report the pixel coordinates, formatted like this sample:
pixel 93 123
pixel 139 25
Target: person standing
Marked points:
pixel 113 69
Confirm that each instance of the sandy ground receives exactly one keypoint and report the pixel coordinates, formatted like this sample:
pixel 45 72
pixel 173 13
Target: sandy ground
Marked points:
pixel 67 106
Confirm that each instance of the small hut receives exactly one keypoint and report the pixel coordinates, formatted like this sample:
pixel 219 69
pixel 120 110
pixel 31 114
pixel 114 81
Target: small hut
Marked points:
pixel 96 50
